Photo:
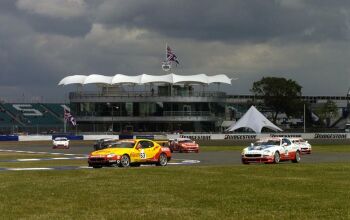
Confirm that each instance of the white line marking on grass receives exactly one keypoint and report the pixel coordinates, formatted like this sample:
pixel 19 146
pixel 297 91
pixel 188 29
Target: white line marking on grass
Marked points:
pixel 24 160
pixel 184 162
pixel 85 167
pixel 60 158
pixel 32 168
pixel 45 168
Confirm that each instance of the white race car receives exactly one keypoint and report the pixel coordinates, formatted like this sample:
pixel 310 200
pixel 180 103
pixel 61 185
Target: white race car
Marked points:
pixel 60 142
pixel 305 146
pixel 271 150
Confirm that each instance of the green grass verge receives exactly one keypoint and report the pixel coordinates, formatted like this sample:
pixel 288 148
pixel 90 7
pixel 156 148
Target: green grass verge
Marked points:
pixel 285 191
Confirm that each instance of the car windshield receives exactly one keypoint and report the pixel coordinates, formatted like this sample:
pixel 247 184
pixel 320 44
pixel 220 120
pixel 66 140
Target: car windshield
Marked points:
pixel 122 145
pixel 60 139
pixel 185 141
pixel 267 142
pixel 105 143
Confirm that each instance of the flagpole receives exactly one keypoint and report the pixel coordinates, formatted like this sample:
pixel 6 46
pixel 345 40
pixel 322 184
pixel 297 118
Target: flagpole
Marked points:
pixel 64 126
pixel 304 119
pixel 166 51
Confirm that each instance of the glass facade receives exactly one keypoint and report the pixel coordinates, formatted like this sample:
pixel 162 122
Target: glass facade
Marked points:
pixel 161 109
pixel 145 109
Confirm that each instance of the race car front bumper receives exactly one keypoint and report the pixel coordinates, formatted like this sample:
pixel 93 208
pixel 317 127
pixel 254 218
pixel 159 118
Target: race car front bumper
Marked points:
pixel 189 150
pixel 60 146
pixel 305 150
pixel 262 159
pixel 103 161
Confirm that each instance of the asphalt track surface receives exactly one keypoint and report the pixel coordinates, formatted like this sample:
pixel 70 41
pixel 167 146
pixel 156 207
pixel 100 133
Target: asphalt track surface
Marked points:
pixel 205 158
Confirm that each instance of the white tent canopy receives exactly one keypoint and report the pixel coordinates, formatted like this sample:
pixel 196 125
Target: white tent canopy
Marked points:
pixel 124 79
pixel 97 79
pixel 75 79
pixel 144 78
pixel 254 120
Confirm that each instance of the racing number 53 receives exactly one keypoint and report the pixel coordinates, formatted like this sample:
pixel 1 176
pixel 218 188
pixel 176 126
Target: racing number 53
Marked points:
pixel 142 154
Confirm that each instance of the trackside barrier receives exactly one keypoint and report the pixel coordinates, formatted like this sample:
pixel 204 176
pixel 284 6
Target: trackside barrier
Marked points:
pixel 8 138
pixel 35 138
pixel 126 136
pixel 97 137
pixel 151 137
pixel 252 136
pixel 202 137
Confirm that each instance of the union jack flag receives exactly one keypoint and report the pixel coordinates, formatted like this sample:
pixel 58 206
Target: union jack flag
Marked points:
pixel 69 117
pixel 170 55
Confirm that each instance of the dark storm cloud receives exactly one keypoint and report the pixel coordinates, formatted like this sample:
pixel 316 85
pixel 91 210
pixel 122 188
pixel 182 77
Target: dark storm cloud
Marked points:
pixel 67 22
pixel 7 6
pixel 73 27
pixel 238 20
pixel 299 39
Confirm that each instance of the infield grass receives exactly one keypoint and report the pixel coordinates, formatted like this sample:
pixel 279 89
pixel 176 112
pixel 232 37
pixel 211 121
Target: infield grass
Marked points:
pixel 283 191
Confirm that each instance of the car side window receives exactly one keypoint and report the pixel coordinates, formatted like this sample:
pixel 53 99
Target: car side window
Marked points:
pixel 146 144
pixel 286 141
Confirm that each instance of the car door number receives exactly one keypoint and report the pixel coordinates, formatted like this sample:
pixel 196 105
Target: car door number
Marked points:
pixel 143 154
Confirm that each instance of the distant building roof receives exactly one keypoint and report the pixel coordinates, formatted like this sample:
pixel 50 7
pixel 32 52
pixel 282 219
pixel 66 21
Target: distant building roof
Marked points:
pixel 144 78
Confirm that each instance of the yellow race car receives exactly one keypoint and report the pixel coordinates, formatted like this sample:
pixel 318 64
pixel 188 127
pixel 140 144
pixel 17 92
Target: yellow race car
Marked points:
pixel 125 153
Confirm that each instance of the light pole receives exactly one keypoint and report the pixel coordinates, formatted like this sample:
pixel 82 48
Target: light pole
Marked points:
pixel 116 107
pixel 110 106
pixel 304 118
pixel 112 113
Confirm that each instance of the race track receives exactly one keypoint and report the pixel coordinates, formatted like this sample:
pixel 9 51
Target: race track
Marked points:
pixel 203 158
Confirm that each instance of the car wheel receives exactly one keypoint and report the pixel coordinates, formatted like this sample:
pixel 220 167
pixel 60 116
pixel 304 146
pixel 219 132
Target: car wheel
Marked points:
pixel 95 167
pixel 125 161
pixel 297 157
pixel 163 160
pixel 180 150
pixel 276 157
pixel 244 162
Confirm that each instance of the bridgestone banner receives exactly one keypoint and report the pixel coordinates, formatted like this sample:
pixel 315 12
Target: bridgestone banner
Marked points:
pixel 308 136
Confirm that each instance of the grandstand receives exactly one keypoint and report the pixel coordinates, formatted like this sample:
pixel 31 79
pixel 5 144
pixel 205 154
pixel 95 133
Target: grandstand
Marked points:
pixel 34 117
pixel 56 109
pixel 5 119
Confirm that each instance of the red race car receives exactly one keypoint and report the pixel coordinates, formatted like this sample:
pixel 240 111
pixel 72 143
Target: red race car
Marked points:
pixel 184 145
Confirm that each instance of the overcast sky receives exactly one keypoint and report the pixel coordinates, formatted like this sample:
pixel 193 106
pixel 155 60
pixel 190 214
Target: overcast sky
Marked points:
pixel 42 41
